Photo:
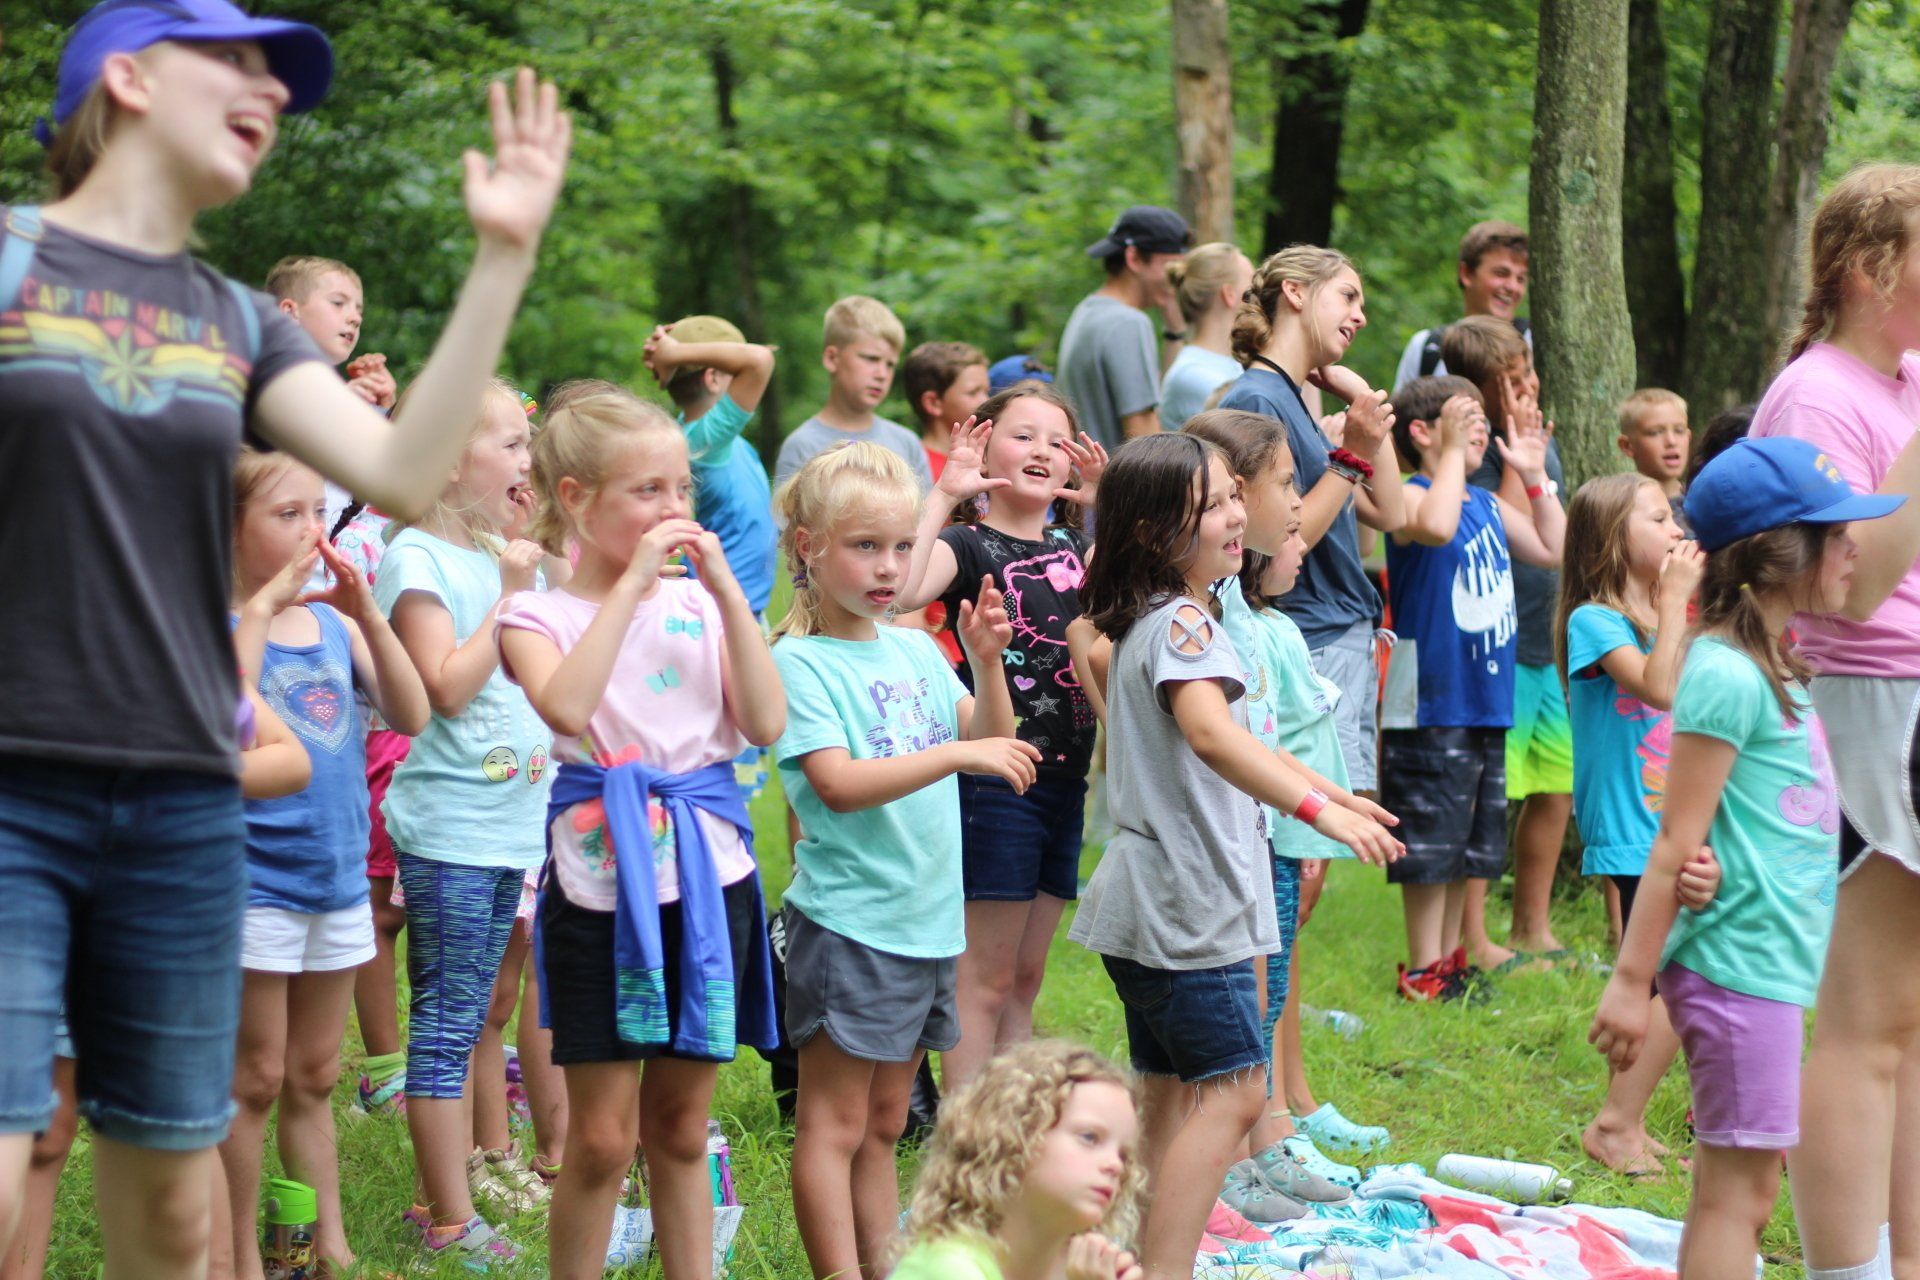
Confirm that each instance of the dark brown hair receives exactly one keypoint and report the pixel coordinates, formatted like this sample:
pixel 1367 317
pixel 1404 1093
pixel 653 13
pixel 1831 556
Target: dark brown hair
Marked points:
pixel 1772 562
pixel 1421 400
pixel 1479 348
pixel 1067 514
pixel 1147 511
pixel 1483 238
pixel 933 366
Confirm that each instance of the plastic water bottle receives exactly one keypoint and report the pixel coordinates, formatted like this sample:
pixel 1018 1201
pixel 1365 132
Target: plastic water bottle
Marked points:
pixel 1339 1021
pixel 1515 1181
pixel 286 1243
pixel 720 1165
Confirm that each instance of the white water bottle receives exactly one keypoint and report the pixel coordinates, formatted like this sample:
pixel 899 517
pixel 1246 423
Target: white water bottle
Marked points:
pixel 1512 1180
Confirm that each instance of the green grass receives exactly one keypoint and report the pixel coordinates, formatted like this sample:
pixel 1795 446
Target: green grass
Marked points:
pixel 1514 1077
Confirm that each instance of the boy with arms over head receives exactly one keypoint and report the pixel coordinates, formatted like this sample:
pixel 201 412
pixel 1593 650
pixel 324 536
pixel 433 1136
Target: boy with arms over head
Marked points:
pixel 716 378
pixel 1654 433
pixel 1449 696
pixel 324 296
pixel 945 382
pixel 863 343
pixel 1491 354
pixel 1492 275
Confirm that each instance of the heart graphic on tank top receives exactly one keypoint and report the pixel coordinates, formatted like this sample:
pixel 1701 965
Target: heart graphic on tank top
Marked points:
pixel 312 700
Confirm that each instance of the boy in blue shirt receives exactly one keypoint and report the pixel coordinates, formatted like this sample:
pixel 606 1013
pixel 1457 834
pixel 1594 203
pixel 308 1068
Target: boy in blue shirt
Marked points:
pixel 1449 695
pixel 715 378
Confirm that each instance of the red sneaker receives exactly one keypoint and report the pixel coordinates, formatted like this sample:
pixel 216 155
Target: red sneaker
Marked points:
pixel 1423 985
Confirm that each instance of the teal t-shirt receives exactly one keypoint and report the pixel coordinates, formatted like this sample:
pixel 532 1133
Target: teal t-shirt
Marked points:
pixel 1775 833
pixel 1620 747
pixel 732 497
pixel 888 877
pixel 473 790
pixel 1290 706
pixel 954 1258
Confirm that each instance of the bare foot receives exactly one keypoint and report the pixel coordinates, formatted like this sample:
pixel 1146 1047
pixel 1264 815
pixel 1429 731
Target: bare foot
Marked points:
pixel 1526 942
pixel 1628 1153
pixel 1490 955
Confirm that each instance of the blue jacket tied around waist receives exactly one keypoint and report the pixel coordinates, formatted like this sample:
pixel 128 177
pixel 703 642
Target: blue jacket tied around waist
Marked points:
pixel 719 1009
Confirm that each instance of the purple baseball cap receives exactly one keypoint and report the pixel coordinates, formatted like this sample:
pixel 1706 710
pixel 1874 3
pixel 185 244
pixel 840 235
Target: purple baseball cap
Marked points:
pixel 297 54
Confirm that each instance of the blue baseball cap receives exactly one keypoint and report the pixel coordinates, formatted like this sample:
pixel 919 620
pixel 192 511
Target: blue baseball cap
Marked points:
pixel 297 54
pixel 1002 374
pixel 1762 484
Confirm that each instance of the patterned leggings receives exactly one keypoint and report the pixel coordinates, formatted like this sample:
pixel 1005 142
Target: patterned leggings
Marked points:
pixel 1286 904
pixel 458 922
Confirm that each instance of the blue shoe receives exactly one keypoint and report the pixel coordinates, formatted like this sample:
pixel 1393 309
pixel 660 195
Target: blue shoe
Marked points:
pixel 1283 1170
pixel 1328 1128
pixel 1300 1152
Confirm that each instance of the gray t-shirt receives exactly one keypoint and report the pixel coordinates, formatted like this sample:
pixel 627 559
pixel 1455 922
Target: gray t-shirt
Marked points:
pixel 126 379
pixel 1535 590
pixel 814 436
pixel 1185 884
pixel 1109 365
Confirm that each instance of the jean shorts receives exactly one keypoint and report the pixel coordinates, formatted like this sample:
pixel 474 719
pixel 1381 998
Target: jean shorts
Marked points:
pixel 122 889
pixel 1015 847
pixel 1192 1023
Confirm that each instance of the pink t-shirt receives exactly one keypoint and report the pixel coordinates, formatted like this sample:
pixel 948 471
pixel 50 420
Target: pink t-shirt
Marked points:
pixel 664 706
pixel 1862 418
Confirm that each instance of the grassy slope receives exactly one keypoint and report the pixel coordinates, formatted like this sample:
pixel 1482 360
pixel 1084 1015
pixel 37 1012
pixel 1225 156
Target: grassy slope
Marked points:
pixel 1514 1078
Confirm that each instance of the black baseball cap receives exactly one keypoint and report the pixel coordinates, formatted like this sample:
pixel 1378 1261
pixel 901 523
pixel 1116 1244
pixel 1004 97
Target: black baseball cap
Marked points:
pixel 1148 228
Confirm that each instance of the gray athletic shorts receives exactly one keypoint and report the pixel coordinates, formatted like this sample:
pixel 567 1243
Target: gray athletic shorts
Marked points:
pixel 1870 724
pixel 1348 660
pixel 872 1004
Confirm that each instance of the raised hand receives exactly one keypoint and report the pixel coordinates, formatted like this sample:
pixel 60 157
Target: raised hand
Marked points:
pixel 961 479
pixel 1457 417
pixel 518 564
pixel 510 201
pixel 285 588
pixel 1369 422
pixel 1680 575
pixel 660 352
pixel 710 562
pixel 350 593
pixel 1089 458
pixel 368 378
pixel 985 628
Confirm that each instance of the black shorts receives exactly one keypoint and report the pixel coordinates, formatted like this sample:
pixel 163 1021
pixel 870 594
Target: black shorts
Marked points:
pixel 577 946
pixel 1448 787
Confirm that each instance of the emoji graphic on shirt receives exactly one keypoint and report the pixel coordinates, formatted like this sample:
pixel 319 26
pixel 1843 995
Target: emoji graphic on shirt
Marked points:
pixel 500 764
pixel 536 765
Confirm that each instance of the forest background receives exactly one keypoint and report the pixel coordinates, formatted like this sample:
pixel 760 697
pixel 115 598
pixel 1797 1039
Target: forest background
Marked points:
pixel 759 158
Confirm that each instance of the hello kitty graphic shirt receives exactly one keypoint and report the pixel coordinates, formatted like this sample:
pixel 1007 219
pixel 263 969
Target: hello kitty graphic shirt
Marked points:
pixel 1776 833
pixel 307 852
pixel 1042 585
pixel 1620 747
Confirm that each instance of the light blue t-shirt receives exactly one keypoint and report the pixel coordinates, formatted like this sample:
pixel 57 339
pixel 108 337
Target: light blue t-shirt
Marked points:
pixel 1775 833
pixel 732 497
pixel 1303 703
pixel 1620 747
pixel 887 877
pixel 1195 374
pixel 473 790
pixel 815 437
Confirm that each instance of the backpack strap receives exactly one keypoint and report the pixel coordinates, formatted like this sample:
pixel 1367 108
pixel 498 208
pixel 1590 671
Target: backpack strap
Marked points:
pixel 22 239
pixel 249 317
pixel 1520 323
pixel 1430 351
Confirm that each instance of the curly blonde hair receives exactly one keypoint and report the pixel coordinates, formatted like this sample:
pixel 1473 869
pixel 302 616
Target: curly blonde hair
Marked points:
pixel 990 1133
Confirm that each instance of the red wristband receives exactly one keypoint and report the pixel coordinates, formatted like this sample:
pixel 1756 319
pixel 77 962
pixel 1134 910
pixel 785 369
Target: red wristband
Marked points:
pixel 1535 492
pixel 1348 458
pixel 1310 807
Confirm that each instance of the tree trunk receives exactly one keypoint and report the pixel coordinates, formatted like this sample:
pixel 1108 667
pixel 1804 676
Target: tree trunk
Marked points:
pixel 753 315
pixel 1310 101
pixel 1729 343
pixel 1805 107
pixel 1583 337
pixel 1203 110
pixel 1650 249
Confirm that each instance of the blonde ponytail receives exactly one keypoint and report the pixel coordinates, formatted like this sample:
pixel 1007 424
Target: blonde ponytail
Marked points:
pixel 1303 264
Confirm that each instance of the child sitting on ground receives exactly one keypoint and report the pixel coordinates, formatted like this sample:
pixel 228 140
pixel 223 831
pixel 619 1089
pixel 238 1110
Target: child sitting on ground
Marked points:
pixel 1449 694
pixel 863 342
pixel 1034 1171
pixel 1653 432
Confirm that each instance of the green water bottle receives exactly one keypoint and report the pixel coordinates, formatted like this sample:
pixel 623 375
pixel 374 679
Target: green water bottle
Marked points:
pixel 286 1243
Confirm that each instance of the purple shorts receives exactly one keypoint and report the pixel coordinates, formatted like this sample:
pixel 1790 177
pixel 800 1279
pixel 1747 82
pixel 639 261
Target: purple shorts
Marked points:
pixel 1743 1059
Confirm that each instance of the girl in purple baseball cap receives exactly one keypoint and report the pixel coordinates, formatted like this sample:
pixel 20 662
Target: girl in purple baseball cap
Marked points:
pixel 129 371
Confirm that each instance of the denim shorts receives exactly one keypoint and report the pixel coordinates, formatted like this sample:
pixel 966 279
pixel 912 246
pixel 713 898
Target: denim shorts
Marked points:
pixel 1192 1023
pixel 1014 847
pixel 122 889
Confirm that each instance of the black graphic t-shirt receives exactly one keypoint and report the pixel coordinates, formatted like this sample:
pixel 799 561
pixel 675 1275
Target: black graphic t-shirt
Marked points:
pixel 1042 584
pixel 125 379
